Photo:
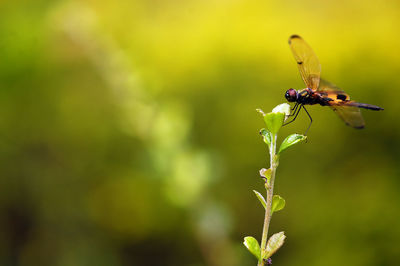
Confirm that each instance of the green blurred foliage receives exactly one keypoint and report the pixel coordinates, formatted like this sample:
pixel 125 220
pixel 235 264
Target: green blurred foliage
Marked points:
pixel 129 134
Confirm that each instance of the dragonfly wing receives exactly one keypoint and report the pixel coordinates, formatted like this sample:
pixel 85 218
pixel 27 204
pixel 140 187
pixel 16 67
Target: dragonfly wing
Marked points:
pixel 340 102
pixel 351 115
pixel 339 97
pixel 330 90
pixel 307 61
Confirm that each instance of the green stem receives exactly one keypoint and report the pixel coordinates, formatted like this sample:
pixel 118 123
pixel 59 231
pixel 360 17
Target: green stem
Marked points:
pixel 274 161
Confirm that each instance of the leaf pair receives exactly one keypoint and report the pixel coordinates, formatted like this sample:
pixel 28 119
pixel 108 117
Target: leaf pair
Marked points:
pixel 274 121
pixel 278 203
pixel 273 244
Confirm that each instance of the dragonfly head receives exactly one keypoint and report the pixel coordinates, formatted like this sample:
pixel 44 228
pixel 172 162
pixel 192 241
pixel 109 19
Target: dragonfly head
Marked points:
pixel 291 95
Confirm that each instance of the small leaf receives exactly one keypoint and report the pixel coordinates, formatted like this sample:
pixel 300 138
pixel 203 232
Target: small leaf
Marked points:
pixel 291 140
pixel 261 199
pixel 266 136
pixel 252 245
pixel 278 203
pixel 273 244
pixel 274 121
pixel 266 173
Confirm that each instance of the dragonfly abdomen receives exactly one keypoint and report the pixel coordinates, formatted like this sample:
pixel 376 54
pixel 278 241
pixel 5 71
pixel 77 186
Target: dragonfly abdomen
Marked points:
pixel 365 106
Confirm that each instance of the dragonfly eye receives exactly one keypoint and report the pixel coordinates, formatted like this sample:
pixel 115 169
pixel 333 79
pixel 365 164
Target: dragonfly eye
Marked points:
pixel 291 95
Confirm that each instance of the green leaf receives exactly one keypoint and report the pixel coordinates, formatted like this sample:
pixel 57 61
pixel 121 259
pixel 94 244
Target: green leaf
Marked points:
pixel 252 245
pixel 290 141
pixel 261 199
pixel 278 203
pixel 266 173
pixel 274 121
pixel 273 244
pixel 266 136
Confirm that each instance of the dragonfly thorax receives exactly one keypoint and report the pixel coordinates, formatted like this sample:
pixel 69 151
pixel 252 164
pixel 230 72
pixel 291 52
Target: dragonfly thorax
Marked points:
pixel 306 96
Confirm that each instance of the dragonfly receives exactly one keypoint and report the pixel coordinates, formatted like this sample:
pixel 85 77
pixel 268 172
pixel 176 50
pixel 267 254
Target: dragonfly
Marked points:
pixel 319 91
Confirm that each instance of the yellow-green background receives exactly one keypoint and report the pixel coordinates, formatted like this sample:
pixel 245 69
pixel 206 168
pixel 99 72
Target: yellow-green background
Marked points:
pixel 128 132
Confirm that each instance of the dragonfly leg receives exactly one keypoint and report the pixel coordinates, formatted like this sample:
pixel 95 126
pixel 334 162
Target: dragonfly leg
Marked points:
pixel 293 110
pixel 305 134
pixel 295 114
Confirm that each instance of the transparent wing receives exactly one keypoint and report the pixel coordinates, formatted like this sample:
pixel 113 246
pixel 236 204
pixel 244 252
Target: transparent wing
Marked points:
pixel 307 61
pixel 351 115
pixel 341 104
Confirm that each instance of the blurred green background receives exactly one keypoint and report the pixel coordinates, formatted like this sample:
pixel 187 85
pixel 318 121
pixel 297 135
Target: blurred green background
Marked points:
pixel 129 136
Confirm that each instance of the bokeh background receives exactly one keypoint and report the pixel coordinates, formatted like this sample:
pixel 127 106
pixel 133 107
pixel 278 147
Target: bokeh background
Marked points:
pixel 129 136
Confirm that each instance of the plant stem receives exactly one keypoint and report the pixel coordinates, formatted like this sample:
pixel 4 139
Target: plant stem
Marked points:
pixel 274 161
